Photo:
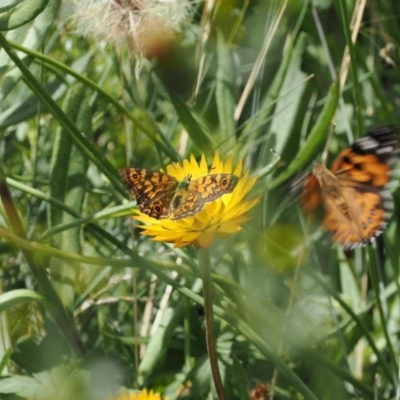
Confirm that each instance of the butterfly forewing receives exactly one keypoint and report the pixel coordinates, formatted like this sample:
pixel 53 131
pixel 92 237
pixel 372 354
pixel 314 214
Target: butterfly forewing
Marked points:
pixel 368 159
pixel 153 190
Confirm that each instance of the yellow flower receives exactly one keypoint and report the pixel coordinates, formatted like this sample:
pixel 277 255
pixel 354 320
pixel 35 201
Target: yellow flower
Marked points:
pixel 143 395
pixel 218 219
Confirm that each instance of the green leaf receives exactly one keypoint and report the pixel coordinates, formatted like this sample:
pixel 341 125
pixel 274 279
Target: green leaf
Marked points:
pixel 257 122
pixel 31 35
pixel 225 95
pixel 67 183
pixel 18 296
pixel 289 99
pixel 21 14
pixel 239 379
pixel 193 125
pixel 159 340
pixel 26 105
pixel 201 379
pixel 24 386
pixel 314 139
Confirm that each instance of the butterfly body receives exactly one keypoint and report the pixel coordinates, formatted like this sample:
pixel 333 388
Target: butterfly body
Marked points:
pixel 332 188
pixel 353 192
pixel 161 195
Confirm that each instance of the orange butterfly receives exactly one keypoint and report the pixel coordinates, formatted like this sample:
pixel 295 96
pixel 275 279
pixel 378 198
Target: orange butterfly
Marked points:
pixel 353 192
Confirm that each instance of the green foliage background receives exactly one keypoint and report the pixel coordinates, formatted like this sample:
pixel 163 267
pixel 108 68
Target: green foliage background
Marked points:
pixel 89 305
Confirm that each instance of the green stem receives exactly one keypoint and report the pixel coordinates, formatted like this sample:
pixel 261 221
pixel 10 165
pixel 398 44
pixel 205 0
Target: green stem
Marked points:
pixel 378 296
pixel 60 314
pixel 205 267
pixel 186 327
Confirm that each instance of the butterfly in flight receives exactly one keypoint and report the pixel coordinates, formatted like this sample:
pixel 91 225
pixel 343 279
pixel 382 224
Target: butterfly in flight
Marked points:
pixel 160 195
pixel 354 191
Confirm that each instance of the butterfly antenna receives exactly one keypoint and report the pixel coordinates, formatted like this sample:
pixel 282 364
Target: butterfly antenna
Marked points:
pixel 328 142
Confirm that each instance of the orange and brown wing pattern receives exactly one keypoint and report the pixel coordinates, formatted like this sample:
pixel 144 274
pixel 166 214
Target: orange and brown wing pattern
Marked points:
pixel 356 201
pixel 367 161
pixel 153 190
pixel 356 219
pixel 186 204
pixel 306 188
pixel 212 187
pixel 160 195
pixel 190 200
pixel 310 192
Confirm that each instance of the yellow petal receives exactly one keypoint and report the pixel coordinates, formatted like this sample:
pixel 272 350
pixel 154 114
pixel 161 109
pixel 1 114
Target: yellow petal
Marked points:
pixel 228 166
pixel 217 167
pixel 229 227
pixel 206 239
pixel 191 236
pixel 203 166
pixel 238 169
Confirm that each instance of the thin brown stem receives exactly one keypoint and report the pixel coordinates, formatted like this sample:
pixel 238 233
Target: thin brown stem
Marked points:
pixel 205 267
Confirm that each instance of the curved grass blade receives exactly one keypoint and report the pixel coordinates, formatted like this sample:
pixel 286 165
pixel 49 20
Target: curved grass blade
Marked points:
pixel 19 296
pixel 80 140
pixel 314 139
pixel 32 36
pixel 138 118
pixel 21 14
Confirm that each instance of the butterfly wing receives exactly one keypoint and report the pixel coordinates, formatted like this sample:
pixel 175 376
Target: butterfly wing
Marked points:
pixel 185 204
pixel 356 217
pixel 153 190
pixel 307 188
pixel 191 199
pixel 212 187
pixel 368 160
pixel 356 201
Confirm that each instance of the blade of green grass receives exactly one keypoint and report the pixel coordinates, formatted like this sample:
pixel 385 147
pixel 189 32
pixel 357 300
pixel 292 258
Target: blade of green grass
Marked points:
pixel 136 118
pixel 314 139
pixel 18 296
pixel 21 14
pixel 78 138
pixel 32 36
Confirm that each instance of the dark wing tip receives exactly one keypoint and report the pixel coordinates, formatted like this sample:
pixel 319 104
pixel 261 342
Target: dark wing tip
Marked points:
pixel 384 143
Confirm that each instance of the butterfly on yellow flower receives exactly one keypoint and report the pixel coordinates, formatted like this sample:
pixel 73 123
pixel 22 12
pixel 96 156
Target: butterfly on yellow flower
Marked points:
pixel 160 195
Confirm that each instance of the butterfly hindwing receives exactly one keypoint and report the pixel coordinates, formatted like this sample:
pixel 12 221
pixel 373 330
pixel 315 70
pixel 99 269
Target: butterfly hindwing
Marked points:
pixel 185 204
pixel 200 191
